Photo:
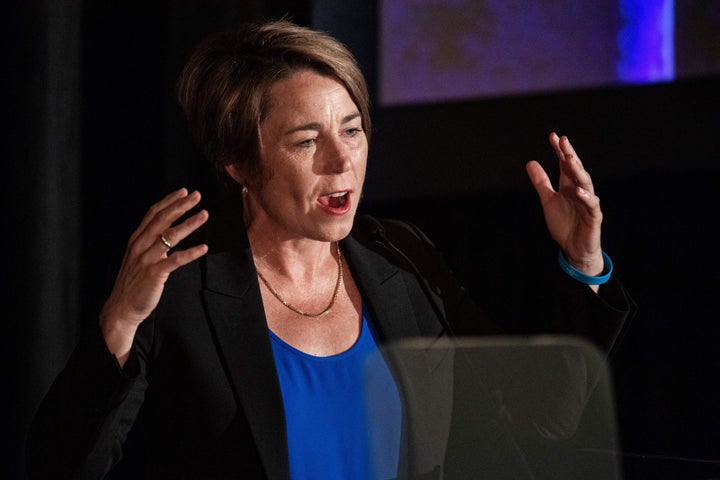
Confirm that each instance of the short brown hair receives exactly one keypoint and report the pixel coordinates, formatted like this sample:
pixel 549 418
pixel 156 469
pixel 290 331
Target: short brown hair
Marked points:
pixel 223 87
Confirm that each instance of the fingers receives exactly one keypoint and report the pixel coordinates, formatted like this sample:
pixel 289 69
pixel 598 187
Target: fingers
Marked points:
pixel 573 174
pixel 152 211
pixel 591 202
pixel 151 243
pixel 177 233
pixel 575 177
pixel 183 257
pixel 160 218
pixel 575 183
pixel 555 142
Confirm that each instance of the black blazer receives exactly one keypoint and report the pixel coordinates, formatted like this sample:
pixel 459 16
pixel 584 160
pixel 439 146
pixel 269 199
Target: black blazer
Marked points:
pixel 199 396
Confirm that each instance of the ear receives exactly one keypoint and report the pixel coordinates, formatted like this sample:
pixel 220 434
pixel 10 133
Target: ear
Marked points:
pixel 235 173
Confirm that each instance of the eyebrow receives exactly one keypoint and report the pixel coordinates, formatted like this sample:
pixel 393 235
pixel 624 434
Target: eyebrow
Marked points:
pixel 316 126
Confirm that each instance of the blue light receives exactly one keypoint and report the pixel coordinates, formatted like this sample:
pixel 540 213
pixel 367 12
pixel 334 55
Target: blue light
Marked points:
pixel 646 41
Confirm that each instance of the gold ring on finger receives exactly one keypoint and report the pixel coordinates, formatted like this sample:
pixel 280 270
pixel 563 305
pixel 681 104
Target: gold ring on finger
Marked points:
pixel 165 241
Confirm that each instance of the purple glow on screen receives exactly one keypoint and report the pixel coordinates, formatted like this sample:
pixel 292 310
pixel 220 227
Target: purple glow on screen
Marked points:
pixel 444 50
pixel 646 41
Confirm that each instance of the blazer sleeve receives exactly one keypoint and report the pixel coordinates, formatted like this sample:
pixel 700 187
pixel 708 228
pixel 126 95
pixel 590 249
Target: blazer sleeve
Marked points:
pixel 82 422
pixel 558 304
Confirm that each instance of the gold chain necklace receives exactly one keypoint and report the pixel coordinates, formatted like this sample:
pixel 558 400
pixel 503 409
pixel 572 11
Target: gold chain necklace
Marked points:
pixel 297 310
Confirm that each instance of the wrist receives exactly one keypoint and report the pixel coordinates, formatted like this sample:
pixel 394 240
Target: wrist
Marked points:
pixel 119 336
pixel 604 272
pixel 589 266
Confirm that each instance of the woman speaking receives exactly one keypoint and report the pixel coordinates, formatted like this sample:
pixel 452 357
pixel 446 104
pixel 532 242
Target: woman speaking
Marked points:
pixel 244 356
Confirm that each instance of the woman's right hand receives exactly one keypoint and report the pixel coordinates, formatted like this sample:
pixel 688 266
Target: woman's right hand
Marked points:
pixel 147 266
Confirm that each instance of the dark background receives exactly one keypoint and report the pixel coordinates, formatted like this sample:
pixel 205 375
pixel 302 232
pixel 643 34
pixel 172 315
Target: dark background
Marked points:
pixel 92 137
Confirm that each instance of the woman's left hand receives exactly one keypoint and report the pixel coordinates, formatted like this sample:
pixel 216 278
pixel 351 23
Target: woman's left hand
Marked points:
pixel 572 213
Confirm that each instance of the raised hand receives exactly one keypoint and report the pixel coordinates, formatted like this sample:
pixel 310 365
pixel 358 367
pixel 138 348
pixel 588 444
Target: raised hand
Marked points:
pixel 146 267
pixel 572 213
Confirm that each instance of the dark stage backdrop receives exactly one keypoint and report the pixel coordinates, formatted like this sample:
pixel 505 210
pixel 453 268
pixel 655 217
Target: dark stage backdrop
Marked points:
pixel 93 137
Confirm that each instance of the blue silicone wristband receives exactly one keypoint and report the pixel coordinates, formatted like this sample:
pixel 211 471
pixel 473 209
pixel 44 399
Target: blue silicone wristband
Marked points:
pixel 582 277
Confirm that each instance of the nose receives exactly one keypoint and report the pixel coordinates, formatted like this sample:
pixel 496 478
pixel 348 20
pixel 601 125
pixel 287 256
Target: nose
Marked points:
pixel 337 157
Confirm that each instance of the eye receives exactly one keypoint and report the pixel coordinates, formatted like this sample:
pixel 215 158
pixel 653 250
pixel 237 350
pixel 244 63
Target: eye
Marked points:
pixel 351 132
pixel 308 142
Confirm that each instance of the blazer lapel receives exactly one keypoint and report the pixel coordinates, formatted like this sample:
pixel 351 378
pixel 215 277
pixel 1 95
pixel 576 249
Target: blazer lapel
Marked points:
pixel 383 291
pixel 235 309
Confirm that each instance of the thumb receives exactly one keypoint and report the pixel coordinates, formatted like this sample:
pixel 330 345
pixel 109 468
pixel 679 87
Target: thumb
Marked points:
pixel 539 179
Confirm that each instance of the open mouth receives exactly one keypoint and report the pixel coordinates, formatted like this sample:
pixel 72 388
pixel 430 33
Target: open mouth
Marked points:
pixel 337 202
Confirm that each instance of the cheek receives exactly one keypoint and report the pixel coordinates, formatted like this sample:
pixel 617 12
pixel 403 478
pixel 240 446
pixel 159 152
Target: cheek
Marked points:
pixel 361 160
pixel 291 185
pixel 277 172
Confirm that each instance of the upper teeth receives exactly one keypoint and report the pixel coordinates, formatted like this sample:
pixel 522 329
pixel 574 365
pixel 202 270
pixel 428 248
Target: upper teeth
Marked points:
pixel 341 194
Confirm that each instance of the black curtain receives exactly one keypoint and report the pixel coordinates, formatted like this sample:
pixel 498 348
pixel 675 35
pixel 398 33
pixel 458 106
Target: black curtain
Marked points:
pixel 92 137
pixel 42 204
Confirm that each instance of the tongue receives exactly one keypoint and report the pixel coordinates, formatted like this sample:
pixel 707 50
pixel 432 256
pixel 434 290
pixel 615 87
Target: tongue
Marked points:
pixel 333 201
pixel 336 202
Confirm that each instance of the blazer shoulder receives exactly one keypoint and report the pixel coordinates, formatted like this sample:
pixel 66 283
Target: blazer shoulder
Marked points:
pixel 373 231
pixel 406 246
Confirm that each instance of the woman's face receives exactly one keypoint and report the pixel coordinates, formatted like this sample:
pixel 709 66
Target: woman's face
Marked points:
pixel 313 153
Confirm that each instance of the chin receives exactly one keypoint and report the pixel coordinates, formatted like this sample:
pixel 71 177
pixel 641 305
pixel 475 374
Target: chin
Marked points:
pixel 338 231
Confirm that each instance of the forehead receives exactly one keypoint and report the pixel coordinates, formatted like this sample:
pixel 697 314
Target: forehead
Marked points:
pixel 307 93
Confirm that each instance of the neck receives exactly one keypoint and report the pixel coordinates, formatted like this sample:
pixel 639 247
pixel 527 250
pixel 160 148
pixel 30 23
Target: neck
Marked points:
pixel 279 252
pixel 296 259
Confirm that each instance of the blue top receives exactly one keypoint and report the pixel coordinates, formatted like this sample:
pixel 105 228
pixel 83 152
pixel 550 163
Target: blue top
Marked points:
pixel 343 412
